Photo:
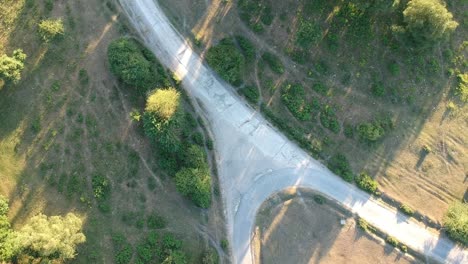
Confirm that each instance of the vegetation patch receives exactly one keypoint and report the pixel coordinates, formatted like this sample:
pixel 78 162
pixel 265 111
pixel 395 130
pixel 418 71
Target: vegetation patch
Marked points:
pixel 339 164
pixel 247 47
pixel 50 29
pixel 366 183
pixel 456 222
pixel 11 67
pixel 273 62
pixel 256 14
pixel 406 210
pixel 251 93
pixel 227 61
pixel 329 120
pixel 294 98
pixel 308 33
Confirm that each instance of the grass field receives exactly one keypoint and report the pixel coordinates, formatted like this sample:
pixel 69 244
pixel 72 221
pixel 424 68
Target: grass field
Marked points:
pixel 292 229
pixel 65 128
pixel 352 70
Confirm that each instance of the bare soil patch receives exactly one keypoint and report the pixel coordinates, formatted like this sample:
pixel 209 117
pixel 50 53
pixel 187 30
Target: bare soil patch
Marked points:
pixel 296 229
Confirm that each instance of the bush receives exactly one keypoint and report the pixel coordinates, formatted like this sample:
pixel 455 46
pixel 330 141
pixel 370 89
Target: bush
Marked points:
pixel 428 20
pixel 195 183
pixel 51 29
pixel 349 131
pixel 129 62
pixel 378 89
pixel 461 89
pixel 3 206
pixel 406 209
pixel 392 241
pixel 251 93
pixel 155 221
pixel 197 138
pixel 224 244
pixel 328 119
pixel 320 88
pixel 210 257
pixel 227 61
pixel 294 98
pixel 273 62
pixel 319 199
pixel 248 49
pixel 426 149
pixel 370 131
pixel 339 164
pixel 366 183
pixel 11 67
pixel 363 224
pixel 255 14
pixel 456 222
pixel 404 248
pixel 307 33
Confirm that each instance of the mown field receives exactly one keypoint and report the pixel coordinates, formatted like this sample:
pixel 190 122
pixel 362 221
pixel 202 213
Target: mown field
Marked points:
pixel 345 81
pixel 71 140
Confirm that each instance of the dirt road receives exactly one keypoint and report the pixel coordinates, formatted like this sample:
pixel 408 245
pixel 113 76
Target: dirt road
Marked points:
pixel 255 160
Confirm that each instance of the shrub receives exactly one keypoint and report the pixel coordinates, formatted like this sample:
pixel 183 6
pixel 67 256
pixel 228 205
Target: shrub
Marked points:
pixel 378 89
pixel 195 183
pixel 363 224
pixel 294 98
pixel 428 20
pixel 426 149
pixel 349 130
pixel 224 244
pixel 251 93
pixel 83 77
pixel 370 131
pixel 273 62
pixel 101 187
pixel 328 119
pixel 339 164
pixel 394 68
pixel 320 88
pixel 155 221
pixel 307 33
pixel 11 67
pixel 406 209
pixel 197 138
pixel 366 183
pixel 404 248
pixel 227 61
pixel 461 89
pixel 129 64
pixel 210 257
pixel 392 241
pixel 3 206
pixel 255 14
pixel 319 199
pixel 248 49
pixel 51 29
pixel 456 222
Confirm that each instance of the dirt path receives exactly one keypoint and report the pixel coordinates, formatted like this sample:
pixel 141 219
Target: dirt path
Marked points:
pixel 255 160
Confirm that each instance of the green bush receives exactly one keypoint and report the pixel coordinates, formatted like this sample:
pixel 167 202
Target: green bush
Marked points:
pixel 394 68
pixel 307 33
pixel 363 224
pixel 123 249
pixel 251 93
pixel 339 164
pixel 3 206
pixel 197 138
pixel 406 209
pixel 456 222
pixel 428 20
pixel 404 248
pixel 294 98
pixel 247 47
pixel 329 120
pixel 255 14
pixel 224 244
pixel 349 131
pixel 210 257
pixel 366 183
pixel 378 89
pixel 370 131
pixel 155 221
pixel 11 67
pixel 319 199
pixel 195 183
pixel 128 62
pixel 227 61
pixel 461 89
pixel 273 62
pixel 320 88
pixel 392 241
pixel 51 29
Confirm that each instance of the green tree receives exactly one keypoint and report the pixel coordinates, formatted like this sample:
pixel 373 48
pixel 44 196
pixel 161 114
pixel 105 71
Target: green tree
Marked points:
pixel 11 67
pixel 8 245
pixel 50 29
pixel 227 61
pixel 164 103
pixel 428 20
pixel 54 237
pixel 129 63
pixel 371 131
pixel 456 222
pixel 462 87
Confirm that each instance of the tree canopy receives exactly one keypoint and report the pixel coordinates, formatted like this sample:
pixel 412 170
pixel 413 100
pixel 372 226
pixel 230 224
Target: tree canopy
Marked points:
pixel 428 20
pixel 129 63
pixel 54 237
pixel 11 67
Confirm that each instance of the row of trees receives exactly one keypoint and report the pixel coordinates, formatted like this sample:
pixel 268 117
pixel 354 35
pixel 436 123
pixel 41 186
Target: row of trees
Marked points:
pixel 42 237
